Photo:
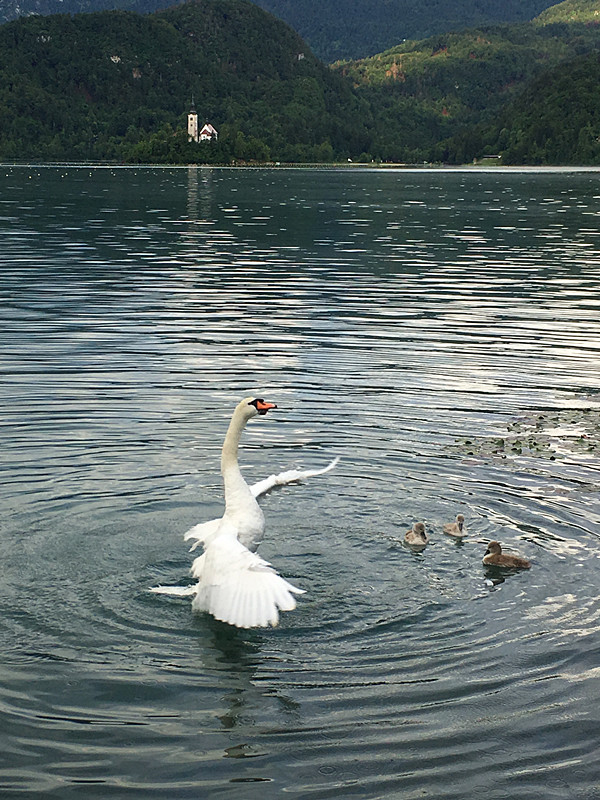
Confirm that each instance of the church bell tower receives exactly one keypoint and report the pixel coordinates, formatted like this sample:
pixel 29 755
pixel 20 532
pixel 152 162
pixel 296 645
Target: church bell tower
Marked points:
pixel 192 127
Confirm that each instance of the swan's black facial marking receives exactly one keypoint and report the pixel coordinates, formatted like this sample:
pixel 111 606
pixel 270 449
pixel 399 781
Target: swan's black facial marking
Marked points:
pixel 260 405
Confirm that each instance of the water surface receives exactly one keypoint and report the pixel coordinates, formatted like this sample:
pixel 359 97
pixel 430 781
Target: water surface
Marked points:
pixel 440 332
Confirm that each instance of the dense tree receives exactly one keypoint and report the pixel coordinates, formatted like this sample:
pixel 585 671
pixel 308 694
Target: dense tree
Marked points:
pixel 118 85
pixel 556 120
pixel 334 28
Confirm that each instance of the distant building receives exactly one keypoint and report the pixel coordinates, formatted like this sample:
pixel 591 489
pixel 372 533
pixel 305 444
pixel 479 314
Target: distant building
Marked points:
pixel 206 134
pixel 192 124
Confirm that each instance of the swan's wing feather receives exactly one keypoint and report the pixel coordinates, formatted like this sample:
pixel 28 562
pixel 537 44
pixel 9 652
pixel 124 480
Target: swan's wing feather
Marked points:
pixel 205 531
pixel 175 591
pixel 263 486
pixel 290 476
pixel 202 532
pixel 241 588
pixel 198 566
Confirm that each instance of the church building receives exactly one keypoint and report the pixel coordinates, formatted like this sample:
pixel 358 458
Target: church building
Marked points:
pixel 195 134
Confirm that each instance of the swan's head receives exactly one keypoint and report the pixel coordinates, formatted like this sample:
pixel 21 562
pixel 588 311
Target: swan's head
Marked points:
pixel 251 406
pixel 493 548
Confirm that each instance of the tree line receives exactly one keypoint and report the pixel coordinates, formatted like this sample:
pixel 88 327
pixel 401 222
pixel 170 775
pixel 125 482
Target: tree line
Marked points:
pixel 116 86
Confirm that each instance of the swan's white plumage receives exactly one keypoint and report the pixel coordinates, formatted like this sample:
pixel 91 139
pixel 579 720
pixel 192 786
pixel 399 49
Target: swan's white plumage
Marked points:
pixel 203 532
pixel 239 587
pixel 234 584
pixel 290 476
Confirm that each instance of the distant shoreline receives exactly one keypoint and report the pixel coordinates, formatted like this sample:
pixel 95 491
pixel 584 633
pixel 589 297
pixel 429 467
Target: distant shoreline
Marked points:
pixel 353 166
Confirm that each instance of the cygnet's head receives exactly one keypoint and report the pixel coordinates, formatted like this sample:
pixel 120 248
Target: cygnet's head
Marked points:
pixel 419 529
pixel 493 548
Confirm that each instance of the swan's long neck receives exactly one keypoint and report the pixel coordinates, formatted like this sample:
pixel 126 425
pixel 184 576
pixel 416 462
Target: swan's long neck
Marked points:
pixel 230 469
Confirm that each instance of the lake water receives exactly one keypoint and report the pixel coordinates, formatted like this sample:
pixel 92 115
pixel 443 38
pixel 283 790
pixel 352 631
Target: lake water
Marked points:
pixel 437 330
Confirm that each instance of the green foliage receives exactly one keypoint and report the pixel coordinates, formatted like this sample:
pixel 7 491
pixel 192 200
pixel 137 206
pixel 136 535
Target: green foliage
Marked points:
pixel 431 98
pixel 117 85
pixel 350 29
pixel 556 120
pixel 335 28
pixel 570 11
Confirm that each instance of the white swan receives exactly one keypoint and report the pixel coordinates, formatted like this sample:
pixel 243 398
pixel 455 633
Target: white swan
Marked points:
pixel 236 585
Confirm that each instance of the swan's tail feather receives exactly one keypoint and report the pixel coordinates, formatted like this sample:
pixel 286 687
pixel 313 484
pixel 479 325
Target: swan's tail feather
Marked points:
pixel 175 591
pixel 198 566
pixel 290 476
pixel 240 588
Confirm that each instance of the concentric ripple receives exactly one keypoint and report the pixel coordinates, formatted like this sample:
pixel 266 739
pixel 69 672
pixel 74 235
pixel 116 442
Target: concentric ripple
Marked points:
pixel 415 323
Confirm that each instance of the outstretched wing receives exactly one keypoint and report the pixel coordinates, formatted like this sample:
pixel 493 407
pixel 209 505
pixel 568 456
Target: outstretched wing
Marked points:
pixel 239 587
pixel 202 533
pixel 290 476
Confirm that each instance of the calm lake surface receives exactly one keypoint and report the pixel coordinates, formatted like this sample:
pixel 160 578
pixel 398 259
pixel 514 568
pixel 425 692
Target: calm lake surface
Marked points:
pixel 440 332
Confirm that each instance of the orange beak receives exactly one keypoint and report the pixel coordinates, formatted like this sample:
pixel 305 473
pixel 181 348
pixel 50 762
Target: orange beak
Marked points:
pixel 263 407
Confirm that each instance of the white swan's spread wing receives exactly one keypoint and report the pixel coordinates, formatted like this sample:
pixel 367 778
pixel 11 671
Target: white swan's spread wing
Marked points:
pixel 289 476
pixel 240 588
pixel 202 532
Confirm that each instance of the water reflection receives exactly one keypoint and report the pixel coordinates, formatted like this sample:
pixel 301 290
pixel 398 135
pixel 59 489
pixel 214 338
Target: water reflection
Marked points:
pixel 199 193
pixel 407 322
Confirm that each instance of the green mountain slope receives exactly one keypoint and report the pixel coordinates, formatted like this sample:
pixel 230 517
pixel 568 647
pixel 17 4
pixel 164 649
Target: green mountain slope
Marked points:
pixel 585 11
pixel 118 85
pixel 333 28
pixel 343 29
pixel 424 92
pixel 555 120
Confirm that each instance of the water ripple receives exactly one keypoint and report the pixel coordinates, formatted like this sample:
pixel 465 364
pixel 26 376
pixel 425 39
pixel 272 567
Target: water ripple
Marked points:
pixel 401 320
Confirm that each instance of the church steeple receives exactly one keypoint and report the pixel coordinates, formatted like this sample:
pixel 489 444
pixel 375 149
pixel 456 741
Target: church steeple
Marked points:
pixel 192 127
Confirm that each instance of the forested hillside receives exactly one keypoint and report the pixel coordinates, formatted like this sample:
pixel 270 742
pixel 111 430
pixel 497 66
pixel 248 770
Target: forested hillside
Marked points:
pixel 423 93
pixel 334 29
pixel 585 11
pixel 116 85
pixel 350 29
pixel 555 120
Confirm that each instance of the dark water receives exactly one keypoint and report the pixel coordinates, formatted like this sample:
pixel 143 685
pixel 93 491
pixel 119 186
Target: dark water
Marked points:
pixel 405 321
